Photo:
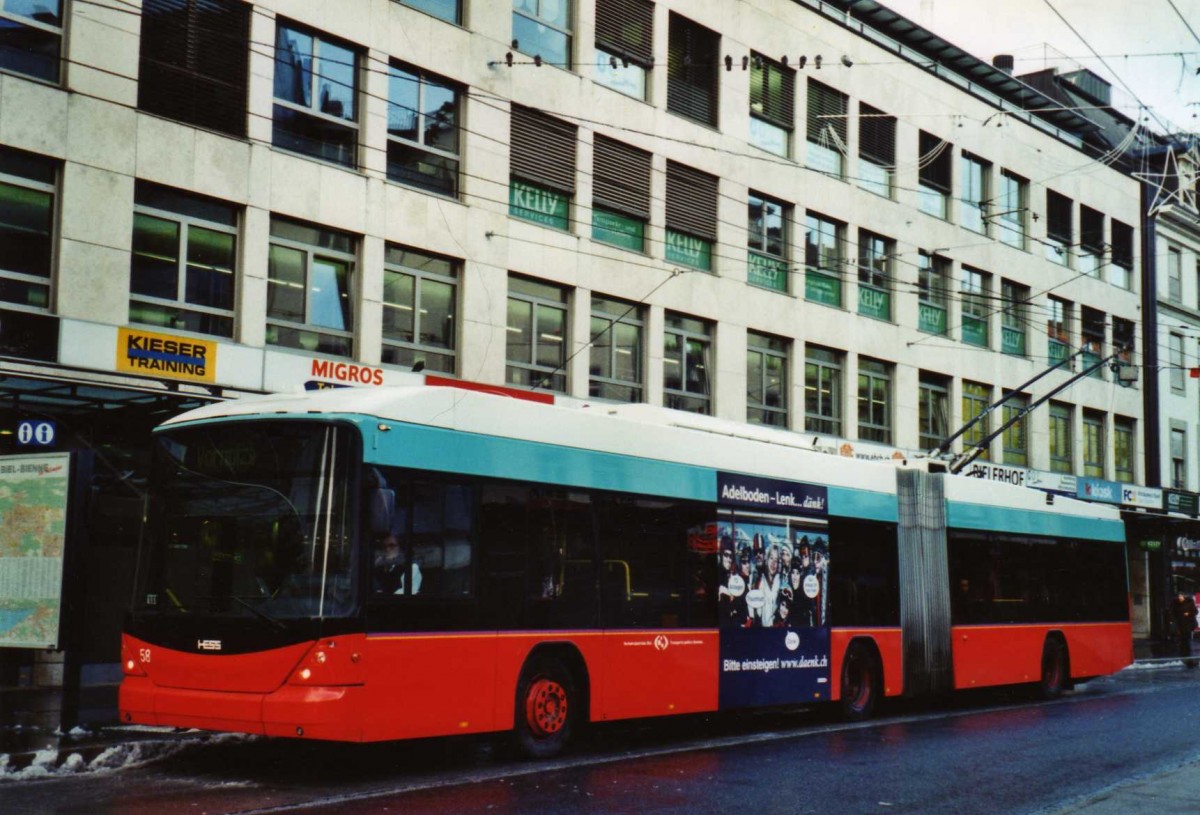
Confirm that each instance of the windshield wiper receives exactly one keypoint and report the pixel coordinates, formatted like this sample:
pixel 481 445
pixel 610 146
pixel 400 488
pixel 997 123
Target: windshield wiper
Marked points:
pixel 279 625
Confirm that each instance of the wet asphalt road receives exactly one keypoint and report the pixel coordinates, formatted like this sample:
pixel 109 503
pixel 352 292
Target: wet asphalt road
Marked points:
pixel 986 753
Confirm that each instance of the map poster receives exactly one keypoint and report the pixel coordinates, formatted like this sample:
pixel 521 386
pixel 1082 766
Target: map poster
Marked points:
pixel 33 526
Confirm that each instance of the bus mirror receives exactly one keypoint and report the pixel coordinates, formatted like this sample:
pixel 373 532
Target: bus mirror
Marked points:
pixel 382 506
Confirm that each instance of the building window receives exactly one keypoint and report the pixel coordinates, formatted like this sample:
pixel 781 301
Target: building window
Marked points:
pixel 420 304
pixel 183 264
pixel 823 260
pixel 448 10
pixel 194 64
pixel 976 399
pixel 932 280
pixel 423 123
pixel 1178 369
pixel 693 52
pixel 691 216
pixel 874 401
pixel 542 167
pixel 316 84
pixel 975 193
pixel 1061 435
pixel 767 237
pixel 542 28
pixel 1174 275
pixel 876 150
pixel 875 275
pixel 1058 330
pixel 1060 228
pixel 827 129
pixel 616 351
pixel 933 412
pixel 1091 241
pixel 1120 271
pixel 687 351
pixel 1124 450
pixel 772 105
pixel 624 45
pixel 1179 458
pixel 1016 435
pixel 1013 204
pixel 27 190
pixel 1093 444
pixel 934 170
pixel 31 36
pixel 1123 338
pixel 822 390
pixel 1014 300
pixel 1092 332
pixel 537 335
pixel 976 289
pixel 766 380
pixel 310 275
pixel 620 194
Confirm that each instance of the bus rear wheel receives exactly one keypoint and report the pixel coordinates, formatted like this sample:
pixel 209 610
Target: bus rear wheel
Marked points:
pixel 1055 674
pixel 861 682
pixel 546 703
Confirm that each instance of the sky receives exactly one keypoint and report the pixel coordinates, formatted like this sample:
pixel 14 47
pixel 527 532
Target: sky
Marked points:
pixel 1148 49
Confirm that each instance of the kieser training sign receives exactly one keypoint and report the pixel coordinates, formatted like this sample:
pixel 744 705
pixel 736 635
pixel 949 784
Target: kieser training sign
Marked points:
pixel 33 524
pixel 150 354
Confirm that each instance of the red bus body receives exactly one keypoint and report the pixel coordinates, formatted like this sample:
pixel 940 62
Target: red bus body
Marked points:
pixel 377 684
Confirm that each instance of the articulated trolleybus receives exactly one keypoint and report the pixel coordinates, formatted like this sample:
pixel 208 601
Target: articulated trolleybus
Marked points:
pixel 389 563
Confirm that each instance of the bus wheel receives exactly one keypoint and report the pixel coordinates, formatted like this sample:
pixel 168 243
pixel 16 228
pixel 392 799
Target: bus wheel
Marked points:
pixel 861 683
pixel 1054 669
pixel 545 708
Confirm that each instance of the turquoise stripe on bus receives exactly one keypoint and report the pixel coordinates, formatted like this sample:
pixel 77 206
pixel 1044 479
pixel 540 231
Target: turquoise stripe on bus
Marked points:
pixel 960 515
pixel 497 457
pixel 434 448
pixel 863 505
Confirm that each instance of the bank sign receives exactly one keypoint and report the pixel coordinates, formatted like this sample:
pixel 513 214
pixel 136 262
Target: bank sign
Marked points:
pixel 771 495
pixel 163 355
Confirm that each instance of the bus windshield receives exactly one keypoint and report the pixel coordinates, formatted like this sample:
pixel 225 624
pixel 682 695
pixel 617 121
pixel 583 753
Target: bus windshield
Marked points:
pixel 252 519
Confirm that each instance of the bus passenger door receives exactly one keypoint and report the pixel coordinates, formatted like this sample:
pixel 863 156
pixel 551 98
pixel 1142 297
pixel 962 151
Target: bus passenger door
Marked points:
pixel 658 607
pixel 429 666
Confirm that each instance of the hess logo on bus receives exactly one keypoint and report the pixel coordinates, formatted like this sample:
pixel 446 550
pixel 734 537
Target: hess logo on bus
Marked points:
pixel 208 645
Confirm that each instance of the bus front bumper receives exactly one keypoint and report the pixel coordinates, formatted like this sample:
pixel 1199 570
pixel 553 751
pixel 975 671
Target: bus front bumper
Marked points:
pixel 315 712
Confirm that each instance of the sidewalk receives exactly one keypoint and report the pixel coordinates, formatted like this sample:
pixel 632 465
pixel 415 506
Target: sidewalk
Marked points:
pixel 1174 792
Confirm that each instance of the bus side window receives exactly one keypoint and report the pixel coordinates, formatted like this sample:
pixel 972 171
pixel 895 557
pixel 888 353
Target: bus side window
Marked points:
pixel 441 539
pixel 560 582
pixel 651 578
pixel 503 539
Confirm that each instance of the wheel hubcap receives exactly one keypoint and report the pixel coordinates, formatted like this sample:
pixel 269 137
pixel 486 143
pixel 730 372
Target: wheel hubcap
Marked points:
pixel 546 707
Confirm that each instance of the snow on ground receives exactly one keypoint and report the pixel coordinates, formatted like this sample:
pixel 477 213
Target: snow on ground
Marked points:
pixel 97 757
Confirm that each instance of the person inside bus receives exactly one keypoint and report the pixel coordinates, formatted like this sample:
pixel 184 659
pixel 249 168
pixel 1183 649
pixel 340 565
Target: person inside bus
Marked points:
pixel 390 574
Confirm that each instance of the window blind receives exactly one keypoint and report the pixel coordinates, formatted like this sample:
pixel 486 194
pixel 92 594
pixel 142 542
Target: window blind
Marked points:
pixel 542 149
